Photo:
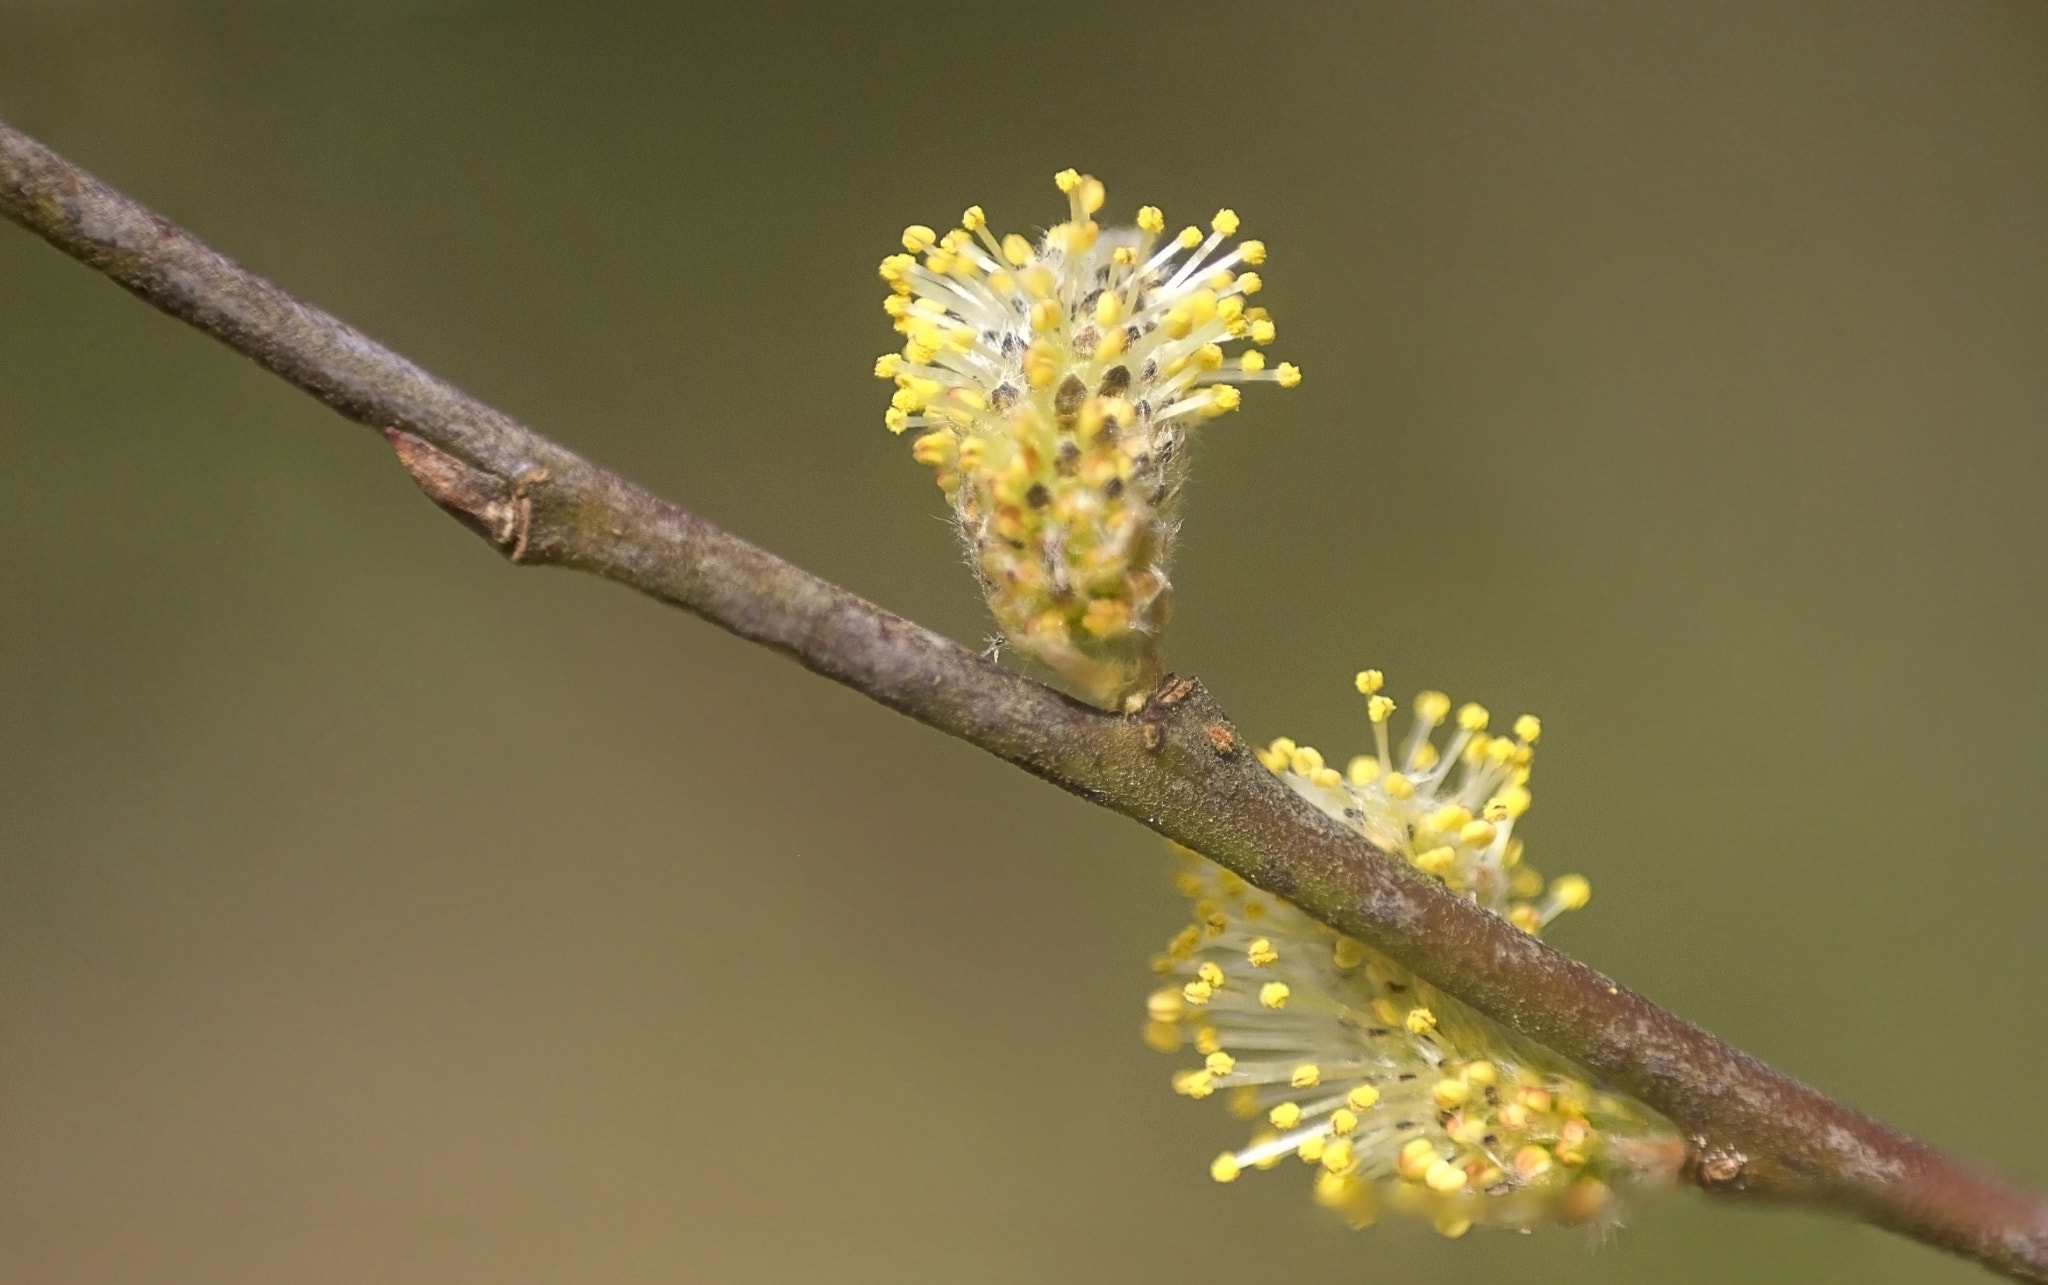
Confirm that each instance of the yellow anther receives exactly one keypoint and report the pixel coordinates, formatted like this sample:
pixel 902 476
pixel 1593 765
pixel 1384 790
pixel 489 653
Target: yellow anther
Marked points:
pixel 1261 953
pixel 1416 1158
pixel 1495 811
pixel 1274 995
pixel 1529 727
pixel 1224 1168
pixel 1534 1097
pixel 1530 1161
pixel 1067 180
pixel 1368 681
pixel 1481 1073
pixel 1262 332
pixel 1398 786
pixel 1431 706
pixel 1451 1224
pixel 887 365
pixel 1123 256
pixel 1285 1116
pixel 1162 1037
pixel 1046 314
pixel 1349 952
pixel 1109 308
pixel 1339 1157
pixel 1193 1084
pixel 1253 360
pixel 933 448
pixel 1444 1178
pixel 1306 1076
pixel 1362 1097
pixel 1211 974
pixel 917 238
pixel 1570 891
pixel 973 218
pixel 1197 992
pixel 1017 250
pixel 1420 1021
pixel 1219 1064
pixel 1206 1041
pixel 1225 222
pixel 895 419
pixel 1220 280
pixel 1363 769
pixel 1448 1093
pixel 1224 397
pixel 1513 1116
pixel 1384 1010
pixel 1164 1005
pixel 1343 1121
pixel 1290 374
pixel 1326 777
pixel 1190 237
pixel 1209 357
pixel 1476 834
pixel 1250 283
pixel 1178 322
pixel 1379 708
pixel 1091 194
pixel 1305 760
pixel 1525 883
pixel 1311 1149
pixel 1437 861
pixel 1473 717
pixel 1449 817
pixel 1231 309
pixel 1151 219
pixel 1514 800
pixel 1254 252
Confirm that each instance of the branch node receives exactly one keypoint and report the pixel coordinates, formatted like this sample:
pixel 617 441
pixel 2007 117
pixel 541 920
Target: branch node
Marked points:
pixel 477 498
pixel 1716 1168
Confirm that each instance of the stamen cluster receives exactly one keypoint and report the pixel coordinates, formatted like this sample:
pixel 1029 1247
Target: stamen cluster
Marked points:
pixel 1395 1092
pixel 1054 387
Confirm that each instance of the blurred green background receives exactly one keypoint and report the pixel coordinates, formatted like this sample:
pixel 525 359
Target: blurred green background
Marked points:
pixel 370 910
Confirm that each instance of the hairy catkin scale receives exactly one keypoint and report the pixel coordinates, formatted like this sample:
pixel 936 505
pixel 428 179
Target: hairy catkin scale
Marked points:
pixel 1396 1094
pixel 1054 387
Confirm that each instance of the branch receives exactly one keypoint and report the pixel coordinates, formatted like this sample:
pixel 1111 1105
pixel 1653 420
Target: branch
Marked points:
pixel 1177 765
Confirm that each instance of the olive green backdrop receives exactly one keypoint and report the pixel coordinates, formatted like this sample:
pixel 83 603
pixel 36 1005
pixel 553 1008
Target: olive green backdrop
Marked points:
pixel 372 911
